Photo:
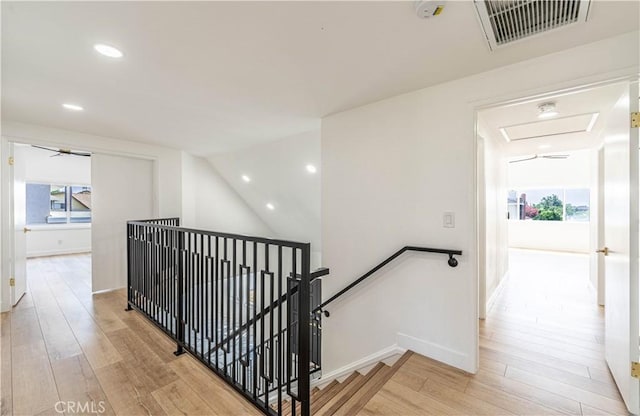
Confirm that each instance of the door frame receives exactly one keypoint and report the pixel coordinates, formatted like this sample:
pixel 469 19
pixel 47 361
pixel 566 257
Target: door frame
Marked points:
pixel 539 94
pixel 6 199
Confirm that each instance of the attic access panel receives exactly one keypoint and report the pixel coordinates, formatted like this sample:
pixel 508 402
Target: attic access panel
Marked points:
pixel 507 21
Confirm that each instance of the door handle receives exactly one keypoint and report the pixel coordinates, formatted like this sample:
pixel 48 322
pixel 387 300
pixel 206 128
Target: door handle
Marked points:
pixel 26 230
pixel 604 251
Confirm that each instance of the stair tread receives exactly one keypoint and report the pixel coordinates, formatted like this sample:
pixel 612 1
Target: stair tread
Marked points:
pixel 339 400
pixel 358 400
pixel 317 404
pixel 322 392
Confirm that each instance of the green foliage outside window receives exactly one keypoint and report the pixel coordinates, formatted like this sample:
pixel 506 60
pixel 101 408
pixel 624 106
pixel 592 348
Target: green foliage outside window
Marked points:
pixel 549 209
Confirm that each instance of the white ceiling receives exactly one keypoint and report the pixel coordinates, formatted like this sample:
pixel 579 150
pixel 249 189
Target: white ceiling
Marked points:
pixel 569 105
pixel 211 77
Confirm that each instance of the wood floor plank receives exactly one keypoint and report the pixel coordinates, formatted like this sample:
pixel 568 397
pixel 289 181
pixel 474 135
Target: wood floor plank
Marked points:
pixel 94 343
pixel 542 397
pixel 586 383
pixel 203 382
pixel 502 399
pixel 125 392
pixel 148 367
pixel 567 390
pixel 77 383
pixel 6 401
pixel 33 387
pixel 176 398
pixel 415 403
pixel 461 401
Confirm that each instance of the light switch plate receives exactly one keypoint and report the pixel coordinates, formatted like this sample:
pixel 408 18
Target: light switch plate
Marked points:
pixel 449 220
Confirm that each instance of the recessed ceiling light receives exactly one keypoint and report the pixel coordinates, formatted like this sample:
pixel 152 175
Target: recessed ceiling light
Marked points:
pixel 546 110
pixel 505 135
pixel 544 146
pixel 311 169
pixel 72 107
pixel 270 206
pixel 594 117
pixel 246 178
pixel 108 50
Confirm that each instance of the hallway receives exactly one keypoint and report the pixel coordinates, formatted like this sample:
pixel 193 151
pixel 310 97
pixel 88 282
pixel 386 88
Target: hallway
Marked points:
pixel 545 335
pixel 541 353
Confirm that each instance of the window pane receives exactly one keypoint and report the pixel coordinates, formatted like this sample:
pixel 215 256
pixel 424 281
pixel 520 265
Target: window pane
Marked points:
pixel 80 204
pixel 38 203
pixel 58 205
pixel 542 204
pixel 577 201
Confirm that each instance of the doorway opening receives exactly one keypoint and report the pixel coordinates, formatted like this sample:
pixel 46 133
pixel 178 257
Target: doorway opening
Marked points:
pixel 52 210
pixel 544 167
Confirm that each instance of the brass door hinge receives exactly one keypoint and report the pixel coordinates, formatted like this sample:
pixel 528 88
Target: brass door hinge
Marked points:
pixel 635 120
pixel 12 282
pixel 635 369
pixel 11 161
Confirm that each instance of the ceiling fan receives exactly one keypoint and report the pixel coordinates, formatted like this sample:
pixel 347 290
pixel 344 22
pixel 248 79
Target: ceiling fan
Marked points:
pixel 63 152
pixel 540 157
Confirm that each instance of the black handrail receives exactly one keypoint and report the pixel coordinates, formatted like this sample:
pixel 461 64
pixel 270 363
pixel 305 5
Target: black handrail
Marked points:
pixel 452 262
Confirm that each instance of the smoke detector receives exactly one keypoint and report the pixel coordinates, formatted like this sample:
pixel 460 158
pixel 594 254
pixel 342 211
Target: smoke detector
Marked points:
pixel 428 8
pixel 546 110
pixel 507 21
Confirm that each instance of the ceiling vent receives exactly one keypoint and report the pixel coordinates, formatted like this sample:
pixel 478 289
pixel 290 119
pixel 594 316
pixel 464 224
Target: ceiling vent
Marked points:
pixel 506 21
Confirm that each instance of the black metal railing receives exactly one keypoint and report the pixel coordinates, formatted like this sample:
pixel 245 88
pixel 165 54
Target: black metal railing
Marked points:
pixel 233 302
pixel 453 262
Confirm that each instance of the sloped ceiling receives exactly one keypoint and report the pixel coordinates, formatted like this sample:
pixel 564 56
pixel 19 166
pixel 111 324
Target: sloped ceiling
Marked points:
pixel 279 176
pixel 210 77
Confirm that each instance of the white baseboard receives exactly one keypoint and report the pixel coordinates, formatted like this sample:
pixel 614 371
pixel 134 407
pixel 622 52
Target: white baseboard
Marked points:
pixel 59 252
pixel 361 364
pixel 435 351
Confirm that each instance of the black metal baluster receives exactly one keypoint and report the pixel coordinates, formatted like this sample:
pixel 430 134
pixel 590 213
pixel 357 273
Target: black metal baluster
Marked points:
pixel 280 333
pixel 254 372
pixel 234 275
pixel 180 294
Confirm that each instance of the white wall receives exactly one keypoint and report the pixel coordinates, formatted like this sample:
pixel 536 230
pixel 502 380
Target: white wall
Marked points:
pixel 577 172
pixel 390 170
pixel 122 190
pixel 167 173
pixel 210 203
pixel 572 172
pixel 550 235
pixel 41 167
pixel 496 253
pixel 54 240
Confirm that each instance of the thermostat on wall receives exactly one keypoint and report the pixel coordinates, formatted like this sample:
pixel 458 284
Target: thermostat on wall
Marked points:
pixel 428 8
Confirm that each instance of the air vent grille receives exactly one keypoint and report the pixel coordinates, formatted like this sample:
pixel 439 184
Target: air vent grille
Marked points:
pixel 506 21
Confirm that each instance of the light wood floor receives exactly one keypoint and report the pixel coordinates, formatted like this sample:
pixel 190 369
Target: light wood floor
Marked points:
pixel 63 344
pixel 541 352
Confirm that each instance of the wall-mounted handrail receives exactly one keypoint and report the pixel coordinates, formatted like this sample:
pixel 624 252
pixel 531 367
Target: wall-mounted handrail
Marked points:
pixel 452 262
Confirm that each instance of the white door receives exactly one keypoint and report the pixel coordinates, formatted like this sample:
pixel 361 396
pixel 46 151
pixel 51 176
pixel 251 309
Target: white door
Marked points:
pixel 19 214
pixel 122 190
pixel 622 311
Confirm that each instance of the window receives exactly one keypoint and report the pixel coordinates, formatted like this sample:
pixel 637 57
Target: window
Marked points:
pixel 58 204
pixel 549 204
